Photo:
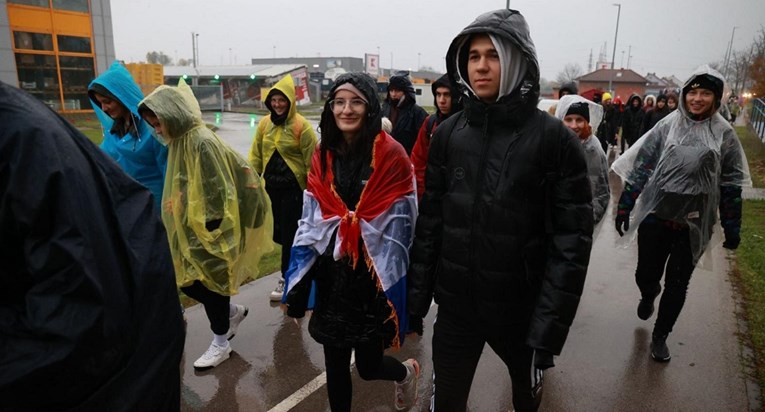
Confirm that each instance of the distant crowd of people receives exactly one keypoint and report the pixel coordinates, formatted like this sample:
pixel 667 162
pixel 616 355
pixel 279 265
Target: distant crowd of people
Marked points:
pixel 488 206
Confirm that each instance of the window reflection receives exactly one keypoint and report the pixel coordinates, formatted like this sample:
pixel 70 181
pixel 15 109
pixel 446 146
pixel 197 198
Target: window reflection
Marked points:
pixel 32 41
pixel 76 74
pixel 71 5
pixel 73 44
pixel 37 75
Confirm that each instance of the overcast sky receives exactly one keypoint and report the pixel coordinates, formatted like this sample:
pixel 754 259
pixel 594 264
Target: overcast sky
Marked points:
pixel 666 36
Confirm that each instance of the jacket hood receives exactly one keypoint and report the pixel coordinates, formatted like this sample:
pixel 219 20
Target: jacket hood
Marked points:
pixel 712 77
pixel 596 110
pixel 176 108
pixel 510 26
pixel 444 81
pixel 372 124
pixel 117 83
pixel 633 97
pixel 287 87
pixel 403 83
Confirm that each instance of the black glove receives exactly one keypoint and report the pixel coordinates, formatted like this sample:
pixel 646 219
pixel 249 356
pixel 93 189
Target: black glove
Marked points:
pixel 415 325
pixel 732 240
pixel 622 219
pixel 543 359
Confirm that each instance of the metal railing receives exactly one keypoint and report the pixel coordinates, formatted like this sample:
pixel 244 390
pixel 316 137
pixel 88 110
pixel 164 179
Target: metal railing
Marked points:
pixel 757 118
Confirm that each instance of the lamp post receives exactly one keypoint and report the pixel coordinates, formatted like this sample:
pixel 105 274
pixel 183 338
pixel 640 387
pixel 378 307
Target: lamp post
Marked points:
pixel 613 56
pixel 729 52
pixel 196 35
pixel 193 50
pixel 418 61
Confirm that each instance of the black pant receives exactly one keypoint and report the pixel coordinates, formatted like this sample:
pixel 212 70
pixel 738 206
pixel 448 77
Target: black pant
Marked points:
pixel 458 340
pixel 371 365
pixel 287 207
pixel 660 246
pixel 216 306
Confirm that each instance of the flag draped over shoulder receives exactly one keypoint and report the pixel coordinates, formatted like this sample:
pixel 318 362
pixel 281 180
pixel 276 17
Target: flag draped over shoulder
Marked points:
pixel 383 219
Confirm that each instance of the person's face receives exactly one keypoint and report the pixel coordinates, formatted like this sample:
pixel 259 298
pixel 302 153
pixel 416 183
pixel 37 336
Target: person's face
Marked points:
pixel 635 103
pixel 660 104
pixel 607 102
pixel 699 101
pixel 349 111
pixel 575 122
pixel 483 68
pixel 280 104
pixel 112 108
pixel 672 104
pixel 649 103
pixel 444 99
pixel 396 94
pixel 153 121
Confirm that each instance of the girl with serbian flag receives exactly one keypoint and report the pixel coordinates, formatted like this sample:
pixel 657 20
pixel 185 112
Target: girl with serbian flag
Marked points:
pixel 353 240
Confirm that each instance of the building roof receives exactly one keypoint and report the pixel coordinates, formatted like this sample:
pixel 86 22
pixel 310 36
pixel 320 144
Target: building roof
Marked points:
pixel 259 70
pixel 615 76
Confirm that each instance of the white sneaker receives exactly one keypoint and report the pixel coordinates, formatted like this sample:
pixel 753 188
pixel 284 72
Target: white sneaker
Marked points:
pixel 276 295
pixel 235 320
pixel 213 357
pixel 406 391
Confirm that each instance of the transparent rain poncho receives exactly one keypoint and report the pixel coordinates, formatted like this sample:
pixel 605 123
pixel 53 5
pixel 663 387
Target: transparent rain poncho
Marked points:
pixel 597 163
pixel 214 206
pixel 679 166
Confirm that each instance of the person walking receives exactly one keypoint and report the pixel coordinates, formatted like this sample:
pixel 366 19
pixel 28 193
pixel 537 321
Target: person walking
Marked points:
pixel 579 114
pixel 505 227
pixel 89 314
pixel 353 240
pixel 447 102
pixel 127 138
pixel 632 122
pixel 215 210
pixel 401 108
pixel 657 113
pixel 609 125
pixel 281 152
pixel 683 170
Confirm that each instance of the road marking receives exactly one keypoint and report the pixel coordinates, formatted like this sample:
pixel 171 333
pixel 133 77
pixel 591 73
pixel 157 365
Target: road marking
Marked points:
pixel 309 388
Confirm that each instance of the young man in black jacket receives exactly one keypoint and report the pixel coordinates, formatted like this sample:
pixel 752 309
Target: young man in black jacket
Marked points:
pixel 403 112
pixel 504 232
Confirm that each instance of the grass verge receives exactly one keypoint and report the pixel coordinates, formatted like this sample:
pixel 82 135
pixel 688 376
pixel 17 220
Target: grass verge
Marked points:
pixel 749 262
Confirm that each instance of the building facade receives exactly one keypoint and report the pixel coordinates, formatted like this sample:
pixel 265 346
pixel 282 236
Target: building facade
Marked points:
pixel 54 48
pixel 623 82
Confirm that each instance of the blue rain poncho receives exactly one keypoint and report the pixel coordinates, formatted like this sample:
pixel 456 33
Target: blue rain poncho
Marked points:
pixel 141 156
pixel 214 206
pixel 679 166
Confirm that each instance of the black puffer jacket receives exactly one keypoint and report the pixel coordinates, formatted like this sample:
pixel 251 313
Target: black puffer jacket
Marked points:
pixel 481 239
pixel 632 120
pixel 410 115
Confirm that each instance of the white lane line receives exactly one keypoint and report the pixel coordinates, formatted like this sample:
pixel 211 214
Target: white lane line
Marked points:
pixel 309 388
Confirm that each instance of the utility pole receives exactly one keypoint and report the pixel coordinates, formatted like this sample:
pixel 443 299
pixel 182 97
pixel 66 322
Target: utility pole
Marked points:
pixel 729 52
pixel 589 65
pixel 193 50
pixel 629 56
pixel 613 56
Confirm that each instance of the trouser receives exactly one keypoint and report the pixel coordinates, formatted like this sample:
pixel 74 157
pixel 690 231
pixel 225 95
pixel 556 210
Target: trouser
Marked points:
pixel 216 306
pixel 458 341
pixel 370 363
pixel 287 207
pixel 660 246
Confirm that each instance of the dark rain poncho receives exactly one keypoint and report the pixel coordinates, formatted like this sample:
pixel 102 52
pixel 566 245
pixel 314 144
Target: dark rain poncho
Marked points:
pixel 89 314
pixel 679 166
pixel 214 206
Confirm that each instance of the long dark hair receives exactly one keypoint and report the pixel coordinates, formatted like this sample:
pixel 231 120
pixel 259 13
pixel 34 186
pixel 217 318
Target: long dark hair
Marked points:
pixel 332 138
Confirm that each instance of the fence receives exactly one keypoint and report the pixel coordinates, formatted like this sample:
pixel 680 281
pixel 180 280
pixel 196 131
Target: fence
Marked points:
pixel 757 118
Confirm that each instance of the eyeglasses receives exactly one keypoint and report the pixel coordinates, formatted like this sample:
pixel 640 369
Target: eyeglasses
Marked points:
pixel 338 105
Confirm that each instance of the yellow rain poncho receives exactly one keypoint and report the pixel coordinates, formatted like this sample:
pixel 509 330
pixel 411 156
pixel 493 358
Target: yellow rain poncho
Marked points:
pixel 295 139
pixel 214 207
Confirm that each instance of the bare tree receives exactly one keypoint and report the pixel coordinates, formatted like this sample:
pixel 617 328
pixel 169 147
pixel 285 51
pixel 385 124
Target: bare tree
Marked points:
pixel 570 72
pixel 158 57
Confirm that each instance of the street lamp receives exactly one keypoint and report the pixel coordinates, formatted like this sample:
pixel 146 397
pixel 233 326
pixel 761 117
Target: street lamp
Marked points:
pixel 418 61
pixel 729 52
pixel 613 56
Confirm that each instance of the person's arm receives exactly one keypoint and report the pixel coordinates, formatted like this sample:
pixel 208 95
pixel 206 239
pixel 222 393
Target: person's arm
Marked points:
pixel 734 174
pixel 420 157
pixel 602 192
pixel 568 250
pixel 308 142
pixel 256 150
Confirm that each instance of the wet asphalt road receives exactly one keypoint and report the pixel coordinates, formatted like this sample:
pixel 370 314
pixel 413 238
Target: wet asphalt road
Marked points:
pixel 605 365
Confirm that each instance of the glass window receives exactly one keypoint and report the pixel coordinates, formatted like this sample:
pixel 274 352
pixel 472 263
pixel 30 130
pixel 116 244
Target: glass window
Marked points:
pixel 38 3
pixel 73 44
pixel 32 41
pixel 71 5
pixel 76 74
pixel 37 75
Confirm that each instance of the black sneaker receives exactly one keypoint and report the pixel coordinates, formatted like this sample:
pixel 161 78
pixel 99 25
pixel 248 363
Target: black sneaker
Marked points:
pixel 645 307
pixel 659 349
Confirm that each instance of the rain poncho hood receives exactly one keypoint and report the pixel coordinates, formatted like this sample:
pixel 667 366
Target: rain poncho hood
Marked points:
pixel 142 157
pixel 285 86
pixel 679 166
pixel 597 163
pixel 89 313
pixel 214 206
pixel 519 83
pixel 295 139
